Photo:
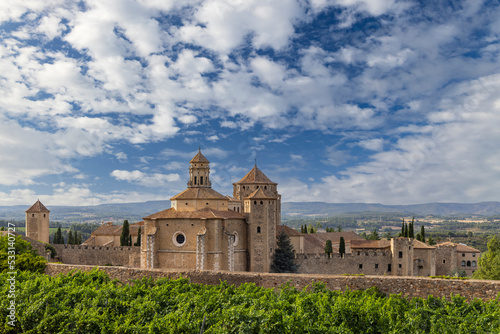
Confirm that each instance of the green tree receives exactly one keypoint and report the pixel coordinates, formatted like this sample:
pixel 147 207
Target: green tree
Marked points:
pixel 403 229
pixel 25 257
pixel 138 243
pixel 422 233
pixel 79 241
pixel 339 229
pixel 70 238
pixel 418 237
pixel 364 235
pixel 124 237
pixel 328 247
pixel 283 260
pixel 430 241
pixel 489 262
pixel 342 246
pixel 374 235
pixel 387 235
pixel 411 233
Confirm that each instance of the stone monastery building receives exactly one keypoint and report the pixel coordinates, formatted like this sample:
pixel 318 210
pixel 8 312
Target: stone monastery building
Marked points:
pixel 205 230
pixel 208 231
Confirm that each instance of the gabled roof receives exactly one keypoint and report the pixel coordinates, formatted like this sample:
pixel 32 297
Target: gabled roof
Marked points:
pixel 420 245
pixel 37 207
pixel 255 176
pixel 259 194
pixel 460 247
pixel 287 230
pixel 370 244
pixel 206 213
pixel 199 158
pixel 198 193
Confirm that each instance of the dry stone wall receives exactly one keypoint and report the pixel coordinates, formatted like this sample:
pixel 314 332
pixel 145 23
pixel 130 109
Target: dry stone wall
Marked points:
pixel 406 286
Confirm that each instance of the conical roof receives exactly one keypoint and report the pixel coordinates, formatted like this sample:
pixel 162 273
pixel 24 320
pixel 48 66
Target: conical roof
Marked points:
pixel 199 158
pixel 255 176
pixel 38 207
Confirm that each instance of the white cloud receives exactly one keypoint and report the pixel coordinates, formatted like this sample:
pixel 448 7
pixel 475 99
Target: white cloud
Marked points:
pixel 143 179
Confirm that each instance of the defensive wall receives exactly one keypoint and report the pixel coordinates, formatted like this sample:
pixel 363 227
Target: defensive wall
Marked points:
pixel 368 262
pixel 128 256
pixel 406 286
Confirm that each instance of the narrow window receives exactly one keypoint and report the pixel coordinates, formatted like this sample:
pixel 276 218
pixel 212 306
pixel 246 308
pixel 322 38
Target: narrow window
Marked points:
pixel 360 266
pixel 243 187
pixel 468 263
pixel 238 209
pixel 195 180
pixel 389 267
pixel 32 215
pixel 400 255
pixel 261 202
pixel 376 265
pixel 400 265
pixel 474 264
pixel 444 261
pixel 44 215
pixel 265 187
pixel 258 229
pixel 254 202
pixel 463 263
pixel 463 254
pixel 201 180
pixel 257 187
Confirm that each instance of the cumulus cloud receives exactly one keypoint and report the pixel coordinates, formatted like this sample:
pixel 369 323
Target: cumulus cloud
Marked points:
pixel 143 179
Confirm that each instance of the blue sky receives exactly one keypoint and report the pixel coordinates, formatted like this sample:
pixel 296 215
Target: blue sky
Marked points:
pixel 394 102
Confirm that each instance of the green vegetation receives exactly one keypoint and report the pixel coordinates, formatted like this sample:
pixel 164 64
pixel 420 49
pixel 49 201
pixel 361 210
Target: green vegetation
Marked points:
pixel 489 262
pixel 17 255
pixel 93 303
pixel 283 257
pixel 328 247
pixel 125 236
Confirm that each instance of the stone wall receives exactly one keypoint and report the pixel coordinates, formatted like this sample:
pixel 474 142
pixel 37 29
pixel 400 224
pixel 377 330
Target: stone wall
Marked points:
pixel 368 262
pixel 407 286
pixel 98 255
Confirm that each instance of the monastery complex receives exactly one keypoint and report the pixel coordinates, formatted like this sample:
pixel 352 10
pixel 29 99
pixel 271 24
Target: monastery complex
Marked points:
pixel 205 230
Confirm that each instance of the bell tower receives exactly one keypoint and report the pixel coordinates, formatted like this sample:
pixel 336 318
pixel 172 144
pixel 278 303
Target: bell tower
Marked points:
pixel 199 172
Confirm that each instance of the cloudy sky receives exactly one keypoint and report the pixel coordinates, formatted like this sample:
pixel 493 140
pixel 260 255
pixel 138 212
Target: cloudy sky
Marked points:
pixel 386 101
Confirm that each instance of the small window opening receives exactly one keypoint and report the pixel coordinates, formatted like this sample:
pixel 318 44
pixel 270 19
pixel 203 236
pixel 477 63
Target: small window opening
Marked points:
pixel 195 180
pixel 265 187
pixel 258 229
pixel 32 215
pixel 254 202
pixel 463 254
pixel 261 202
pixel 201 180
pixel 360 266
pixel 389 267
pixel 376 265
pixel 400 265
pixel 444 261
pixel 463 263
pixel 400 255
pixel 468 263
pixel 44 215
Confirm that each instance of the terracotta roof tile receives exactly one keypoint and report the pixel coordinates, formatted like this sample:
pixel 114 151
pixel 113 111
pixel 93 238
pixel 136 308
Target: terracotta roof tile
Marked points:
pixel 255 176
pixel 288 230
pixel 420 245
pixel 460 247
pixel 199 158
pixel 37 207
pixel 372 244
pixel 206 213
pixel 198 193
pixel 117 229
pixel 259 194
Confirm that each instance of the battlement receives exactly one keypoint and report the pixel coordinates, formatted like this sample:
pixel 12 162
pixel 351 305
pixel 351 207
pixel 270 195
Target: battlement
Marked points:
pixel 128 256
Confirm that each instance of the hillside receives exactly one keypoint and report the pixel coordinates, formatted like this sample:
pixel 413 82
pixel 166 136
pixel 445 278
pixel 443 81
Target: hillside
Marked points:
pixel 135 211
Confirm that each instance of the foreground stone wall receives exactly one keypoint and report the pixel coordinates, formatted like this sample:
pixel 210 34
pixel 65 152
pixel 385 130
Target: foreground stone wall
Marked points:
pixel 98 255
pixel 407 286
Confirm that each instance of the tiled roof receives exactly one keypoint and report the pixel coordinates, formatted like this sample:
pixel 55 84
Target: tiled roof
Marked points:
pixel 371 244
pixel 198 193
pixel 206 213
pixel 288 230
pixel 117 229
pixel 37 207
pixel 460 247
pixel 335 236
pixel 420 245
pixel 258 194
pixel 255 176
pixel 199 158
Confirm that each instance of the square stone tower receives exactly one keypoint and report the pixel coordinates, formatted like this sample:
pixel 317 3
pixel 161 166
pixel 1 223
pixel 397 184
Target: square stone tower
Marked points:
pixel 37 222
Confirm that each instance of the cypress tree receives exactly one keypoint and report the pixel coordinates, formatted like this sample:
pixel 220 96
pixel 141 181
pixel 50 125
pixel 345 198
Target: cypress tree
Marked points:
pixel 124 237
pixel 130 240
pixel 70 238
pixel 403 228
pixel 328 247
pixel 283 258
pixel 411 234
pixel 342 247
pixel 422 233
pixel 138 243
pixel 58 239
pixel 79 240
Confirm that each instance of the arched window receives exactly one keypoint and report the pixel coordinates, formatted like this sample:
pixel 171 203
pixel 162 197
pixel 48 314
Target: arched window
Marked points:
pixel 261 202
pixel 468 263
pixel 265 187
pixel 463 263
pixel 474 263
pixel 201 180
pixel 254 202
pixel 32 215
pixel 243 187
pixel 195 180
pixel 238 209
pixel 257 187
pixel 44 215
pixel 258 229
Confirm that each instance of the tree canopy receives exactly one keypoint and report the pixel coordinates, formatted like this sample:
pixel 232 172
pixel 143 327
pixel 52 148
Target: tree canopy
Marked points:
pixel 283 258
pixel 489 262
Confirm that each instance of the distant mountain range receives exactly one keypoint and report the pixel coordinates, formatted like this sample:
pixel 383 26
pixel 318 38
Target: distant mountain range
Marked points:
pixel 135 211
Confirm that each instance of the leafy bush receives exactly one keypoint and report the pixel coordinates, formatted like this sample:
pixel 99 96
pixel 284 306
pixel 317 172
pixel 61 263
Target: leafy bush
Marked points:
pixel 93 303
pixel 25 257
